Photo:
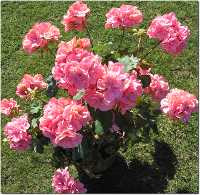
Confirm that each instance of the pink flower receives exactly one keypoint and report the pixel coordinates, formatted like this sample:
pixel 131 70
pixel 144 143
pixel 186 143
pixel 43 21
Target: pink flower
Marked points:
pixel 47 31
pixel 143 71
pixel 179 104
pixel 79 9
pixel 62 182
pixel 29 84
pixel 39 36
pixel 131 91
pixel 108 89
pixel 96 100
pixel 158 87
pixel 124 17
pixel 32 41
pixel 169 31
pixel 75 19
pixel 177 41
pixel 76 68
pixel 17 134
pixel 61 121
pixel 8 106
pixel 84 43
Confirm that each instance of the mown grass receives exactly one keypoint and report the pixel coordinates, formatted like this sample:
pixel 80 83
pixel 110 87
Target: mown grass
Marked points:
pixel 27 172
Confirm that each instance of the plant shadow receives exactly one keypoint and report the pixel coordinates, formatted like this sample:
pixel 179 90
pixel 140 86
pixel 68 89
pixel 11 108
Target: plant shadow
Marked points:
pixel 137 176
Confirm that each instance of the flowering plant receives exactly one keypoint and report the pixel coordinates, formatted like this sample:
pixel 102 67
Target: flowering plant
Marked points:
pixel 110 96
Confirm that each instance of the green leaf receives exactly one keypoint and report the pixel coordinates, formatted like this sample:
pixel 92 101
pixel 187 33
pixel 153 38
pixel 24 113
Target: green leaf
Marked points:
pixel 52 88
pixel 34 122
pixel 4 140
pixel 104 117
pixel 38 148
pixel 80 150
pixel 145 79
pixel 129 62
pixel 98 128
pixel 76 156
pixel 79 95
pixel 35 109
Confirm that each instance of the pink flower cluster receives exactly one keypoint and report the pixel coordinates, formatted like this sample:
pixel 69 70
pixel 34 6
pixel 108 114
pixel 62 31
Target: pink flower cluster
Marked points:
pixel 109 88
pixel 29 84
pixel 8 106
pixel 61 121
pixel 16 133
pixel 169 31
pixel 105 86
pixel 76 68
pixel 39 36
pixel 75 19
pixel 158 87
pixel 124 17
pixel 179 104
pixel 62 182
pixel 131 91
pixel 114 88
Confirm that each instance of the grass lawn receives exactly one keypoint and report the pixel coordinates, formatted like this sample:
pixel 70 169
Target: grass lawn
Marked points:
pixel 168 163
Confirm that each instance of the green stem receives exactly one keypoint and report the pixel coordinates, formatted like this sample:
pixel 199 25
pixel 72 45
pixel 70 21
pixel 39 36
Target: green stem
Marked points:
pixel 139 43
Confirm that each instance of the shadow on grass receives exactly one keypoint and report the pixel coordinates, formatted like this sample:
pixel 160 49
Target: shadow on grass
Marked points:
pixel 136 177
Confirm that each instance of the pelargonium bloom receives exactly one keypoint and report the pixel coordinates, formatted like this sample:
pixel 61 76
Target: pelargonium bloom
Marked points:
pixel 75 19
pixel 62 182
pixel 177 41
pixel 61 121
pixel 39 36
pixel 29 84
pixel 131 91
pixel 76 68
pixel 8 106
pixel 17 134
pixel 179 104
pixel 158 87
pixel 124 17
pixel 169 31
pixel 109 88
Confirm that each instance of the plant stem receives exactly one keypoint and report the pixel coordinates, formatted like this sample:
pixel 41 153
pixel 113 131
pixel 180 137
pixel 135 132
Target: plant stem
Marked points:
pixel 138 46
pixel 88 32
pixel 150 50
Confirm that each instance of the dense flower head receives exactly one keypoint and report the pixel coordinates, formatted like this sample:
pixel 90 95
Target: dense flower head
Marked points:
pixel 62 182
pixel 39 36
pixel 28 84
pixel 109 88
pixel 75 19
pixel 62 119
pixel 169 31
pixel 131 91
pixel 124 17
pixel 17 134
pixel 114 88
pixel 179 104
pixel 76 68
pixel 158 87
pixel 8 106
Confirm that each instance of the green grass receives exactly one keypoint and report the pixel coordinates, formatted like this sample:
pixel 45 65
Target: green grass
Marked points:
pixel 27 172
